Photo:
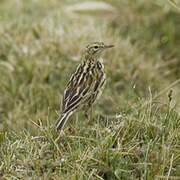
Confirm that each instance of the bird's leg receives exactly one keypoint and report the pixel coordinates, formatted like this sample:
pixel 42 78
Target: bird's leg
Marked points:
pixel 88 113
pixel 91 112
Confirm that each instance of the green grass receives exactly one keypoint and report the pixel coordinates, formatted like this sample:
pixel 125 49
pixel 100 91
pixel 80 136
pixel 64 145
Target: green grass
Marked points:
pixel 135 130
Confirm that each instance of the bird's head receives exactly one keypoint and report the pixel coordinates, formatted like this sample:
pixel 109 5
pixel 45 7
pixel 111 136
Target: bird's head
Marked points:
pixel 95 49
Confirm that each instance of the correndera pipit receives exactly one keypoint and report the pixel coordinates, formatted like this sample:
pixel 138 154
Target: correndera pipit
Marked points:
pixel 85 85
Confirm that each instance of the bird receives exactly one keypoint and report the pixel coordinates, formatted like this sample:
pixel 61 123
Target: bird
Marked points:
pixel 85 85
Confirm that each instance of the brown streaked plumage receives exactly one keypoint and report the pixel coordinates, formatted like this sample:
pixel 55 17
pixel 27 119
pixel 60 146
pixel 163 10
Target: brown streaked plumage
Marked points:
pixel 85 85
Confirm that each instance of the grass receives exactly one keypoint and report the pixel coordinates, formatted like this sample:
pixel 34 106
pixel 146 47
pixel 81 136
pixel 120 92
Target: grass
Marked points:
pixel 135 130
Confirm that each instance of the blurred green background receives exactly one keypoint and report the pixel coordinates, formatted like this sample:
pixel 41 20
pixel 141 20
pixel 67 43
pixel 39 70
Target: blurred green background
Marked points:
pixel 41 43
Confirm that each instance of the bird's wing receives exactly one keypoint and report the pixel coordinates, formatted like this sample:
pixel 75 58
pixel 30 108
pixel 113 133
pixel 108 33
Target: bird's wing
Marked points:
pixel 71 100
pixel 77 90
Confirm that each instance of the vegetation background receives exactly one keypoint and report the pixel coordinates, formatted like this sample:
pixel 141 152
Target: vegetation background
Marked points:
pixel 135 130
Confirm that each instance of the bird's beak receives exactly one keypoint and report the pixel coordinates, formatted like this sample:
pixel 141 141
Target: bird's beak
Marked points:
pixel 108 46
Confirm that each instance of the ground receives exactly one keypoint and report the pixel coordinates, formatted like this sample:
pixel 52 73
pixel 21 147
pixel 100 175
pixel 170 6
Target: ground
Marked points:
pixel 135 129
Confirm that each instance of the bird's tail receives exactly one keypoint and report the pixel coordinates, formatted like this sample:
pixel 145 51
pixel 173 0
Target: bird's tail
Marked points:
pixel 62 120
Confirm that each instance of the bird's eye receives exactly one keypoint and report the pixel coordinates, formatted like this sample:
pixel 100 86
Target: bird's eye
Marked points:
pixel 95 47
